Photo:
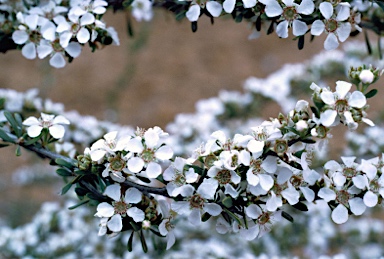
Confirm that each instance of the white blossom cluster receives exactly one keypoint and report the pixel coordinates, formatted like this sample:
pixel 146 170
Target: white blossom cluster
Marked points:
pixel 242 182
pixel 58 29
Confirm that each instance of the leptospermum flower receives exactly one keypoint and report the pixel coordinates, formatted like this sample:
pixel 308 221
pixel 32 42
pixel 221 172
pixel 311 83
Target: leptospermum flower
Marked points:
pixel 145 151
pixel 197 202
pixel 178 177
pixel 229 5
pixel 213 7
pixel 333 25
pixel 342 102
pixel 264 219
pixel 345 200
pixel 165 227
pixel 107 146
pixel 224 177
pixel 290 15
pixel 58 52
pixel 46 121
pixel 120 207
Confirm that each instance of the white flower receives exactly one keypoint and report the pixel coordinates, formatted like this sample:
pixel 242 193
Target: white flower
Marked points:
pixel 290 15
pixel 142 10
pixel 335 27
pixel 120 207
pixel 259 172
pixel 178 177
pixel 342 101
pixel 46 121
pixel 229 5
pixel 213 7
pixel 264 219
pixel 345 200
pixel 110 144
pixel 165 227
pixel 75 27
pixel 225 177
pixel 366 76
pixel 57 52
pixel 146 153
pixel 196 202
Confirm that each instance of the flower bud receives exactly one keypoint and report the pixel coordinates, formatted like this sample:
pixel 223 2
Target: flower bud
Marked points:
pixel 366 76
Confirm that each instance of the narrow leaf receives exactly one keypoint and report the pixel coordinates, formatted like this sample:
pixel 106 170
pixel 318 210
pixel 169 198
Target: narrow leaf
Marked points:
pixel 371 93
pixel 130 240
pixel 14 124
pixel 66 188
pixel 31 141
pixel 300 43
pixel 287 216
pixel 4 135
pixel 300 206
pixel 18 150
pixel 194 26
pixel 143 179
pixel 79 204
pixel 143 242
pixel 232 215
pixel 205 217
pixel 3 145
pixel 369 48
pixel 63 172
pixel 64 163
pixel 227 202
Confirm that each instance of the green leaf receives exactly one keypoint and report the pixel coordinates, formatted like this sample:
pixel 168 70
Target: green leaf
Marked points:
pixel 227 202
pixel 64 172
pixel 16 127
pixel 287 216
pixel 157 233
pixel 300 43
pixel 369 48
pixel 308 141
pixel 4 135
pixel 64 163
pixel 129 28
pixel 380 3
pixel 232 215
pixel 292 129
pixel 3 145
pixel 194 26
pixel 79 204
pixel 18 150
pixel 135 226
pixel 31 141
pixel 300 206
pixel 81 191
pixel 371 93
pixel 130 241
pixel 66 188
pixel 143 179
pixel 143 242
pixel 205 217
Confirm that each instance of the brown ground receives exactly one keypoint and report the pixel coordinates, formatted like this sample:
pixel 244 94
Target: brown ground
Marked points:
pixel 148 79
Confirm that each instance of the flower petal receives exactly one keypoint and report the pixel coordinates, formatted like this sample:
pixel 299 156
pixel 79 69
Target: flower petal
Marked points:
pixel 214 8
pixel 115 224
pixel 135 164
pixel 133 196
pixel 136 213
pixel 113 191
pixel 57 131
pixel 340 214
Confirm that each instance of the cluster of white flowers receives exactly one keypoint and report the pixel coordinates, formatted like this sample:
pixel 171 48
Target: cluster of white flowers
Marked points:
pixel 261 171
pixel 58 29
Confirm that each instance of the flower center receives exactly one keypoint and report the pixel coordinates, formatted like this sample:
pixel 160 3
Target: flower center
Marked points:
pixel 256 166
pixel 331 25
pixel 321 131
pixel 290 13
pixel 342 197
pixel 46 124
pixel 281 146
pixel 341 105
pixel 179 179
pixel 120 207
pixel 296 181
pixel 260 134
pixel 264 218
pixel 75 28
pixel 223 176
pixel 148 155
pixel 349 172
pixel 35 37
pixel 196 202
pixel 374 186
pixel 117 163
pixel 56 46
